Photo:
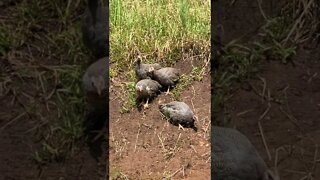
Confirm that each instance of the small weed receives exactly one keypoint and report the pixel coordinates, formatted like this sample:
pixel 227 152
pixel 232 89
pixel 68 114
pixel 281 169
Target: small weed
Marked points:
pixel 116 174
pixel 242 60
pixel 186 80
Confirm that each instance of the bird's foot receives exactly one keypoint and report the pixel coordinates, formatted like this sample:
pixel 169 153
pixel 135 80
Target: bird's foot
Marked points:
pixel 180 127
pixel 168 92
pixel 146 105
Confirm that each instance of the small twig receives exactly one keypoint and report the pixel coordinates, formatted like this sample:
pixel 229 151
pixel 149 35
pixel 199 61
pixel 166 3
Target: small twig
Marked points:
pixel 175 146
pixel 137 137
pixel 206 128
pixel 209 158
pixel 298 21
pixel 193 149
pixel 291 118
pixel 264 86
pixel 313 76
pixel 244 112
pixel 315 157
pixel 261 131
pixel 146 125
pixel 173 174
pixel 161 142
pixel 183 174
pixel 261 10
pixel 233 2
pixel 276 158
pixel 13 120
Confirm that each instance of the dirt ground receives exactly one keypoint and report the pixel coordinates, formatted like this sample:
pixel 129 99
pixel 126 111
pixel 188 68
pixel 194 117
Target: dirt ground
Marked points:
pixel 291 128
pixel 143 145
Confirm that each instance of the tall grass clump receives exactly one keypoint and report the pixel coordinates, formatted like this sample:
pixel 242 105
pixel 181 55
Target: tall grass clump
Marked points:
pixel 158 30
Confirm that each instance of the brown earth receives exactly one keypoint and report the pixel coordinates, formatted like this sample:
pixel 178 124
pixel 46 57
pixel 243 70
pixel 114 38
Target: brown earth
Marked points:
pixel 291 129
pixel 291 126
pixel 143 145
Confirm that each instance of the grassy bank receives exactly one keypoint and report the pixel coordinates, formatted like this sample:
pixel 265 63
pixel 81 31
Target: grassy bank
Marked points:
pixel 160 31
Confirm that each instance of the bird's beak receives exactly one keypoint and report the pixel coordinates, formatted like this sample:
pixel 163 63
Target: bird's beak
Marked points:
pixel 195 118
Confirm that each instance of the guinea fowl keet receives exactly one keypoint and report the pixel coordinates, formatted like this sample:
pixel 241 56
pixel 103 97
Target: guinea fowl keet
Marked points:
pixel 167 77
pixel 95 28
pixel 95 82
pixel 235 158
pixel 146 90
pixel 179 113
pixel 95 85
pixel 142 70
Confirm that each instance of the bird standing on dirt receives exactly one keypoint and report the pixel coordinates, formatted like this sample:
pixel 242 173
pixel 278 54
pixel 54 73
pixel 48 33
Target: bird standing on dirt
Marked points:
pixel 95 84
pixel 142 70
pixel 234 157
pixel 147 89
pixel 95 28
pixel 179 113
pixel 167 77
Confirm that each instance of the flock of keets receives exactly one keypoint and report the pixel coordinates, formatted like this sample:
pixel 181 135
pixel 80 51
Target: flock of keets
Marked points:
pixel 233 156
pixel 152 78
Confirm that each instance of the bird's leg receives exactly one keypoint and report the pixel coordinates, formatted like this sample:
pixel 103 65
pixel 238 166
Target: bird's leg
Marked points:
pixel 168 91
pixel 180 127
pixel 146 106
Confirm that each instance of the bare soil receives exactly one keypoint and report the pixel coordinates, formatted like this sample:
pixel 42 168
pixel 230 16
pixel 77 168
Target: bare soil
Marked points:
pixel 143 145
pixel 291 129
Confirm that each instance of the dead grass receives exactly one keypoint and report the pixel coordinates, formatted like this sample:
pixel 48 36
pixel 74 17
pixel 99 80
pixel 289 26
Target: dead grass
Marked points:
pixel 277 40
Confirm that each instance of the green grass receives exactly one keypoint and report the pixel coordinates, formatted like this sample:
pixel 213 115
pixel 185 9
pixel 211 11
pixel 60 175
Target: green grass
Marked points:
pixel 241 61
pixel 159 30
pixel 116 174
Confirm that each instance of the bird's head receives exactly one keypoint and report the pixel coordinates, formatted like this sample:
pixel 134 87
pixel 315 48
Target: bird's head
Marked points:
pixel 195 118
pixel 138 60
pixel 98 84
pixel 139 88
pixel 151 69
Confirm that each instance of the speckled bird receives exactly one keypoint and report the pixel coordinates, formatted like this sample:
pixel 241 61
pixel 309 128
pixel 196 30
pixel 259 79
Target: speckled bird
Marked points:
pixel 234 157
pixel 146 90
pixel 95 85
pixel 179 113
pixel 167 77
pixel 142 70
